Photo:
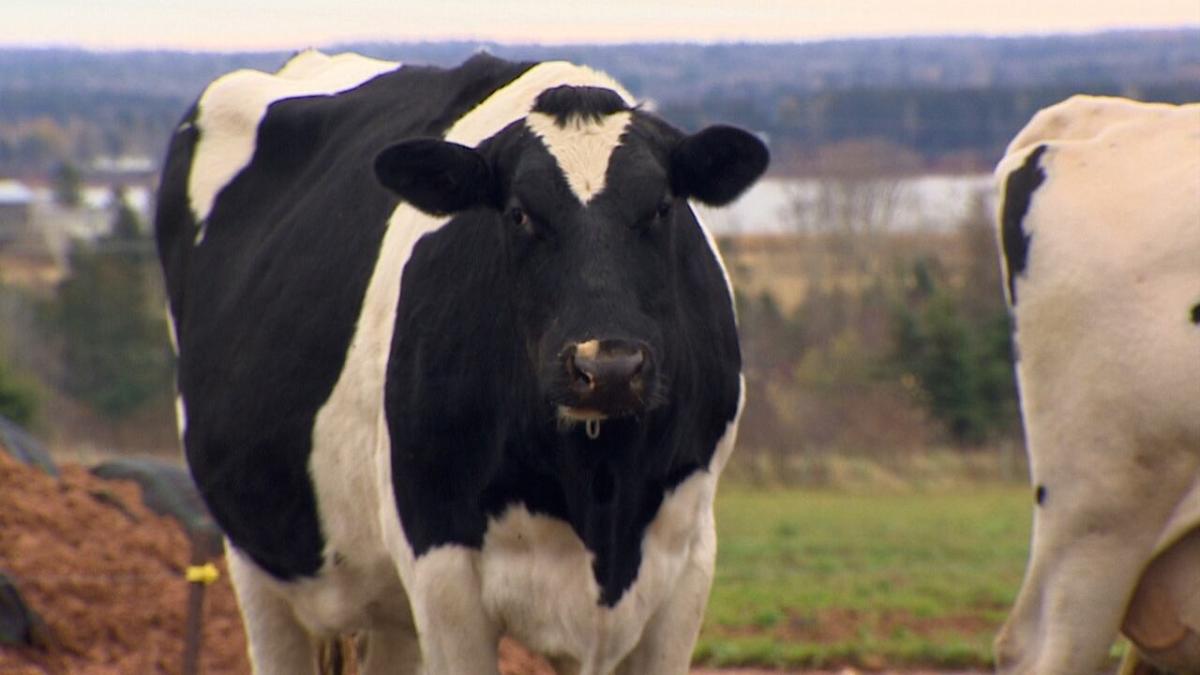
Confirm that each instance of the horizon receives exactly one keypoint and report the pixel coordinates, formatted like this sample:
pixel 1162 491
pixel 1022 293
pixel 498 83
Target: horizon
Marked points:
pixel 518 44
pixel 226 26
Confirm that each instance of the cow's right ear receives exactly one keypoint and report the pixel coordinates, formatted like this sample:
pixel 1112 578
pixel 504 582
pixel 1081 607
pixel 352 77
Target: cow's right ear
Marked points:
pixel 436 176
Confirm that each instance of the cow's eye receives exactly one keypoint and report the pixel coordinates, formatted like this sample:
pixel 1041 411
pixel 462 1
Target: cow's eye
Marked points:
pixel 664 209
pixel 518 217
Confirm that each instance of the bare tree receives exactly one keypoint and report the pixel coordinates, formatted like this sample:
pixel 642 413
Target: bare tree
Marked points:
pixel 851 203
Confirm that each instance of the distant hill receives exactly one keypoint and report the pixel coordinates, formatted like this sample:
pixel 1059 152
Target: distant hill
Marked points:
pixel 941 96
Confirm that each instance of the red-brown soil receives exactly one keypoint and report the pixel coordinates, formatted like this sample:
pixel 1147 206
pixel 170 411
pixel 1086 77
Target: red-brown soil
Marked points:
pixel 107 576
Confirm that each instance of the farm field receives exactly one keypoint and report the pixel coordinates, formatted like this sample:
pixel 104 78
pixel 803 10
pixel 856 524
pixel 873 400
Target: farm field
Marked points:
pixel 818 579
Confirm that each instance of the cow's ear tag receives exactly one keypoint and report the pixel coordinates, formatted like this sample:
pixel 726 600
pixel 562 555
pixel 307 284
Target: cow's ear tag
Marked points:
pixel 592 428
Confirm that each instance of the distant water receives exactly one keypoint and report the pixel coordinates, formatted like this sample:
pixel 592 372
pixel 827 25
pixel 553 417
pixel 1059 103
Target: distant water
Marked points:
pixel 923 202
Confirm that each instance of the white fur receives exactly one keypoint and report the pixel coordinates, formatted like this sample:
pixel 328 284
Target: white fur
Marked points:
pixel 230 109
pixel 455 601
pixel 1109 367
pixel 180 408
pixel 582 147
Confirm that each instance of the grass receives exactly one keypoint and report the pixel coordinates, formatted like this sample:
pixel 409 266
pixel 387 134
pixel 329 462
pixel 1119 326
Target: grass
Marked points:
pixel 822 578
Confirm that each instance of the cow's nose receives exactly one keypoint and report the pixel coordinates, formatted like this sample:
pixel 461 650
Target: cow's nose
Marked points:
pixel 606 375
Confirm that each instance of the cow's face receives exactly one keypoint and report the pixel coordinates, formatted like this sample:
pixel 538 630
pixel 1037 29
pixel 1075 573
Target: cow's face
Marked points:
pixel 589 195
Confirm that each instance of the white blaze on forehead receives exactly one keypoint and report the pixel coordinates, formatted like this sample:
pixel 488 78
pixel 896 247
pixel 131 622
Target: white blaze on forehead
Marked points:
pixel 231 108
pixel 582 147
pixel 515 100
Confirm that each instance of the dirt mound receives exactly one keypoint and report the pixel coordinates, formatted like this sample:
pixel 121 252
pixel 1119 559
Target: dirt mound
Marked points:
pixel 107 576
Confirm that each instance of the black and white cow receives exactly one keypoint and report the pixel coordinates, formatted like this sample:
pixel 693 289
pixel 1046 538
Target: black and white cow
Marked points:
pixel 1100 227
pixel 456 359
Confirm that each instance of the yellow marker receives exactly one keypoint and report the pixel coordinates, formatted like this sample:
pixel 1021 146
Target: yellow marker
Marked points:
pixel 202 574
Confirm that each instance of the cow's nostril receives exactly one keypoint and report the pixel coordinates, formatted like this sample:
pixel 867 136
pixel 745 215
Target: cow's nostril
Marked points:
pixel 606 375
pixel 584 379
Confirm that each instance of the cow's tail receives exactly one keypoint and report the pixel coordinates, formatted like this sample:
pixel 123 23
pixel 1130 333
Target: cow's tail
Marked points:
pixel 331 656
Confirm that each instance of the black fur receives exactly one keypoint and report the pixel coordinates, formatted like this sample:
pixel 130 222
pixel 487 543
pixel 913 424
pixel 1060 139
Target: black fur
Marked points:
pixel 435 176
pixel 1196 314
pixel 1018 193
pixel 587 103
pixel 717 164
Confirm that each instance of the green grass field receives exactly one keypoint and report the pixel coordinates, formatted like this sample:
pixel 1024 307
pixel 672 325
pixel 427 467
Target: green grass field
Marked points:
pixel 821 578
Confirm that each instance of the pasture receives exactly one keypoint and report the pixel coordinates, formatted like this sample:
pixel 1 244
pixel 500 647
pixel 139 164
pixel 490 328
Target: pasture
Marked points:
pixel 862 577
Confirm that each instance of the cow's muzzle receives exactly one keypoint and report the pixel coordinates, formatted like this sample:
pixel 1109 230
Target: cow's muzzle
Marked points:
pixel 605 378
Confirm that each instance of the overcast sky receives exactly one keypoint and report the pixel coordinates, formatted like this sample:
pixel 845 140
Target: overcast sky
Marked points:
pixel 292 24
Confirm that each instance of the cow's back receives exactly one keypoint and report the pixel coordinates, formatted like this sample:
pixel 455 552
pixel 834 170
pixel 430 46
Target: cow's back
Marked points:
pixel 269 227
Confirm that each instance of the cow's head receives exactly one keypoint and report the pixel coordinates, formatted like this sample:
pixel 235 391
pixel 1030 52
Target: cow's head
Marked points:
pixel 590 195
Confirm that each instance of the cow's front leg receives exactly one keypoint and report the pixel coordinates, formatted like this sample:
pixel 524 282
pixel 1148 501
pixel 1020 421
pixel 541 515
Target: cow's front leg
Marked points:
pixel 670 635
pixel 278 644
pixel 1094 530
pixel 456 635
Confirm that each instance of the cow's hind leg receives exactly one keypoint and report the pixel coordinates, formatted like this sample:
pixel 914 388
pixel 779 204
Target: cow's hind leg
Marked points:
pixel 278 643
pixel 1098 521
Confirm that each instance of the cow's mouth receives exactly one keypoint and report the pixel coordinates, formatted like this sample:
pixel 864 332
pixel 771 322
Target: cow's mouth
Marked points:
pixel 590 420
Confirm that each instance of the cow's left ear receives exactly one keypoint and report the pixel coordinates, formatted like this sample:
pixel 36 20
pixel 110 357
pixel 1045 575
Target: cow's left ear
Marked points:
pixel 716 164
pixel 436 176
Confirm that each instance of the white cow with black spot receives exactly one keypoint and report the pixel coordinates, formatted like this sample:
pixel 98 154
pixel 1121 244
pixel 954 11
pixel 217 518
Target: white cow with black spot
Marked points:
pixel 1100 228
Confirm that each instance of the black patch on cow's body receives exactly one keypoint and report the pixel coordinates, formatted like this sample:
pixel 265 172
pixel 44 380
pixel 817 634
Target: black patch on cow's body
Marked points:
pixel 1040 494
pixel 267 304
pixel 587 103
pixel 1018 194
pixel 1196 314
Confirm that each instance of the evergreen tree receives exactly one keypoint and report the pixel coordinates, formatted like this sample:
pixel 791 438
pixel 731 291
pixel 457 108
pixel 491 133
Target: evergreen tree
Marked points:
pixel 68 185
pixel 18 402
pixel 962 367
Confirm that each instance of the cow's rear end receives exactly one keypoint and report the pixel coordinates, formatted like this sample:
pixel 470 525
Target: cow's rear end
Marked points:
pixel 1100 226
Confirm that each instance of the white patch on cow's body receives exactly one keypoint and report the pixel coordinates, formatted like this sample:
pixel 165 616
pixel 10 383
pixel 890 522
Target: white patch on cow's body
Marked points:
pixel 527 558
pixel 582 147
pixel 231 108
pixel 180 416
pixel 180 408
pixel 172 334
pixel 1109 367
